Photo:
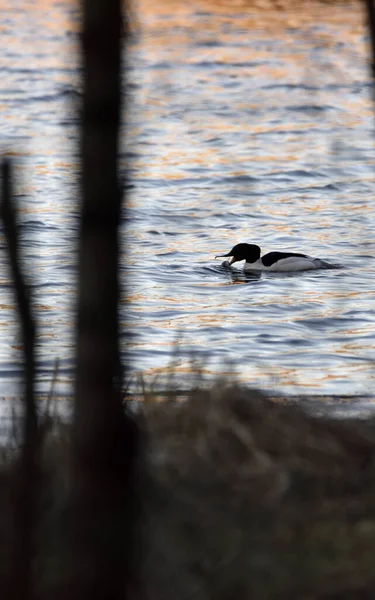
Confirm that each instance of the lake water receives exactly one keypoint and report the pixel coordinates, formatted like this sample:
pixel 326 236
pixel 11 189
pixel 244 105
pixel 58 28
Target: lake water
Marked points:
pixel 245 126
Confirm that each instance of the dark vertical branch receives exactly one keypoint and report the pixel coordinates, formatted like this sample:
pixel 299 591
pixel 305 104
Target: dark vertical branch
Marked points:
pixel 25 485
pixel 371 24
pixel 23 301
pixel 102 440
pixel 97 335
pixel 97 405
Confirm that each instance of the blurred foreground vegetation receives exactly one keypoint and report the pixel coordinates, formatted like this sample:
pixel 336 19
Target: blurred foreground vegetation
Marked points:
pixel 237 497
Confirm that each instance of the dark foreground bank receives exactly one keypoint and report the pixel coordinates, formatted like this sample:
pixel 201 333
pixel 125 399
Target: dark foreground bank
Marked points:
pixel 237 497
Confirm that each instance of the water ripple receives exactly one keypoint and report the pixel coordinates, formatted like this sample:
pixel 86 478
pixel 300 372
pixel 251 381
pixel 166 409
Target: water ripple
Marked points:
pixel 238 142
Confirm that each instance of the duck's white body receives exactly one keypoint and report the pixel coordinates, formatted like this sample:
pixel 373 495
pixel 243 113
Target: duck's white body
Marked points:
pixel 289 264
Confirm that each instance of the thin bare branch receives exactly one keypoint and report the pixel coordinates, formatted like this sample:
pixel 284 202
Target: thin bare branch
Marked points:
pixel 371 25
pixel 25 485
pixel 23 300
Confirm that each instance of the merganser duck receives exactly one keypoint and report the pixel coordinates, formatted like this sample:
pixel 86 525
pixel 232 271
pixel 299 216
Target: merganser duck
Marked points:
pixel 273 261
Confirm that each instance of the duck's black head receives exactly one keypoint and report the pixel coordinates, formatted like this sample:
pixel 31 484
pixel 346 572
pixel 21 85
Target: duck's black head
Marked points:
pixel 248 252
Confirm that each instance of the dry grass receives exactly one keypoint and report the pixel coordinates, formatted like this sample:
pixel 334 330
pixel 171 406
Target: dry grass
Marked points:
pixel 247 498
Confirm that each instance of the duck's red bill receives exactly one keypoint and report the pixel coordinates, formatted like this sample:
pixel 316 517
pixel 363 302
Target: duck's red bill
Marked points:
pixel 232 258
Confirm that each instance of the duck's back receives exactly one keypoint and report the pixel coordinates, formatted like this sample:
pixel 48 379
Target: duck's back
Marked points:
pixel 273 257
pixel 283 262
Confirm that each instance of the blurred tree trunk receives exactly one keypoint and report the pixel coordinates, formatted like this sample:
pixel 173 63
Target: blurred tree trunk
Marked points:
pixel 102 433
